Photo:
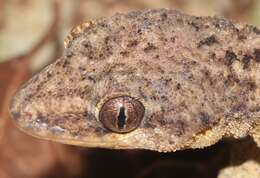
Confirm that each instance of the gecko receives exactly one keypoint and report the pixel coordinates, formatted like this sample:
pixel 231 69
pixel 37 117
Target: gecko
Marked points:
pixel 155 79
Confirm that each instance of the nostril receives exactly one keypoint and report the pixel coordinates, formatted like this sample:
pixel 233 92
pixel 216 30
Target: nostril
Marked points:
pixel 15 115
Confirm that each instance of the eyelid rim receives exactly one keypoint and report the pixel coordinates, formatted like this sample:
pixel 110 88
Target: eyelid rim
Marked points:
pixel 118 96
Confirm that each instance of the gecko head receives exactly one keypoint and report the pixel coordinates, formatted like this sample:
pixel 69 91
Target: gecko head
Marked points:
pixel 118 107
pixel 121 83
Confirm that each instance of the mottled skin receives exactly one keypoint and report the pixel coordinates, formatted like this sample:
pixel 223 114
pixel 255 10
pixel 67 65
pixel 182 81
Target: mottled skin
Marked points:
pixel 197 77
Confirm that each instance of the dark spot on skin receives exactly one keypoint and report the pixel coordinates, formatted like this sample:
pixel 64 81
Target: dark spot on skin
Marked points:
pixel 257 55
pixel 230 57
pixel 251 85
pixel 124 53
pixel 217 25
pixel 58 63
pixel 154 97
pixel 204 118
pixel 231 80
pixel 162 122
pixel 139 31
pixel 122 27
pixel 246 61
pixel 91 79
pixel 206 26
pixel 103 24
pixel 88 50
pixel 164 98
pixel 172 39
pixel 180 126
pixel 83 77
pixel 164 16
pixel 163 39
pixel 193 62
pixel 49 75
pixel 106 40
pixel 108 50
pixel 82 69
pixel 179 20
pixel 208 41
pixel 190 77
pixel 132 43
pixel 65 63
pixel 241 37
pixel 212 55
pixel 149 47
pixel 206 73
pixel 178 87
pixel 195 26
pixel 207 76
pixel 167 81
pixel 86 44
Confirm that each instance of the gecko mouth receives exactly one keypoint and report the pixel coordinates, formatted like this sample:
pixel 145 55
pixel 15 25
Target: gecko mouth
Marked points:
pixel 70 128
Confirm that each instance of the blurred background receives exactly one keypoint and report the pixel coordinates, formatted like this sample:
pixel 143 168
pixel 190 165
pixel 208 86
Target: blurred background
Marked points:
pixel 31 36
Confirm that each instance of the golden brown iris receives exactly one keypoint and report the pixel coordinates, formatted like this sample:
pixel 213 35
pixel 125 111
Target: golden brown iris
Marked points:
pixel 121 114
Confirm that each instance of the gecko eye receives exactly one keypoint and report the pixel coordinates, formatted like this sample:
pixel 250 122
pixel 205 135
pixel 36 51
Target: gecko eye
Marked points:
pixel 121 114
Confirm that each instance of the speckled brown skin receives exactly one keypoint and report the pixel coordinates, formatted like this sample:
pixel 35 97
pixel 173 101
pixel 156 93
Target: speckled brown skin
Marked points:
pixel 197 77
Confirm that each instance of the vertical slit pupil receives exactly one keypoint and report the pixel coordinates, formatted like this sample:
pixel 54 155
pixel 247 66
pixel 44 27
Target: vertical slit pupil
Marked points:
pixel 121 118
